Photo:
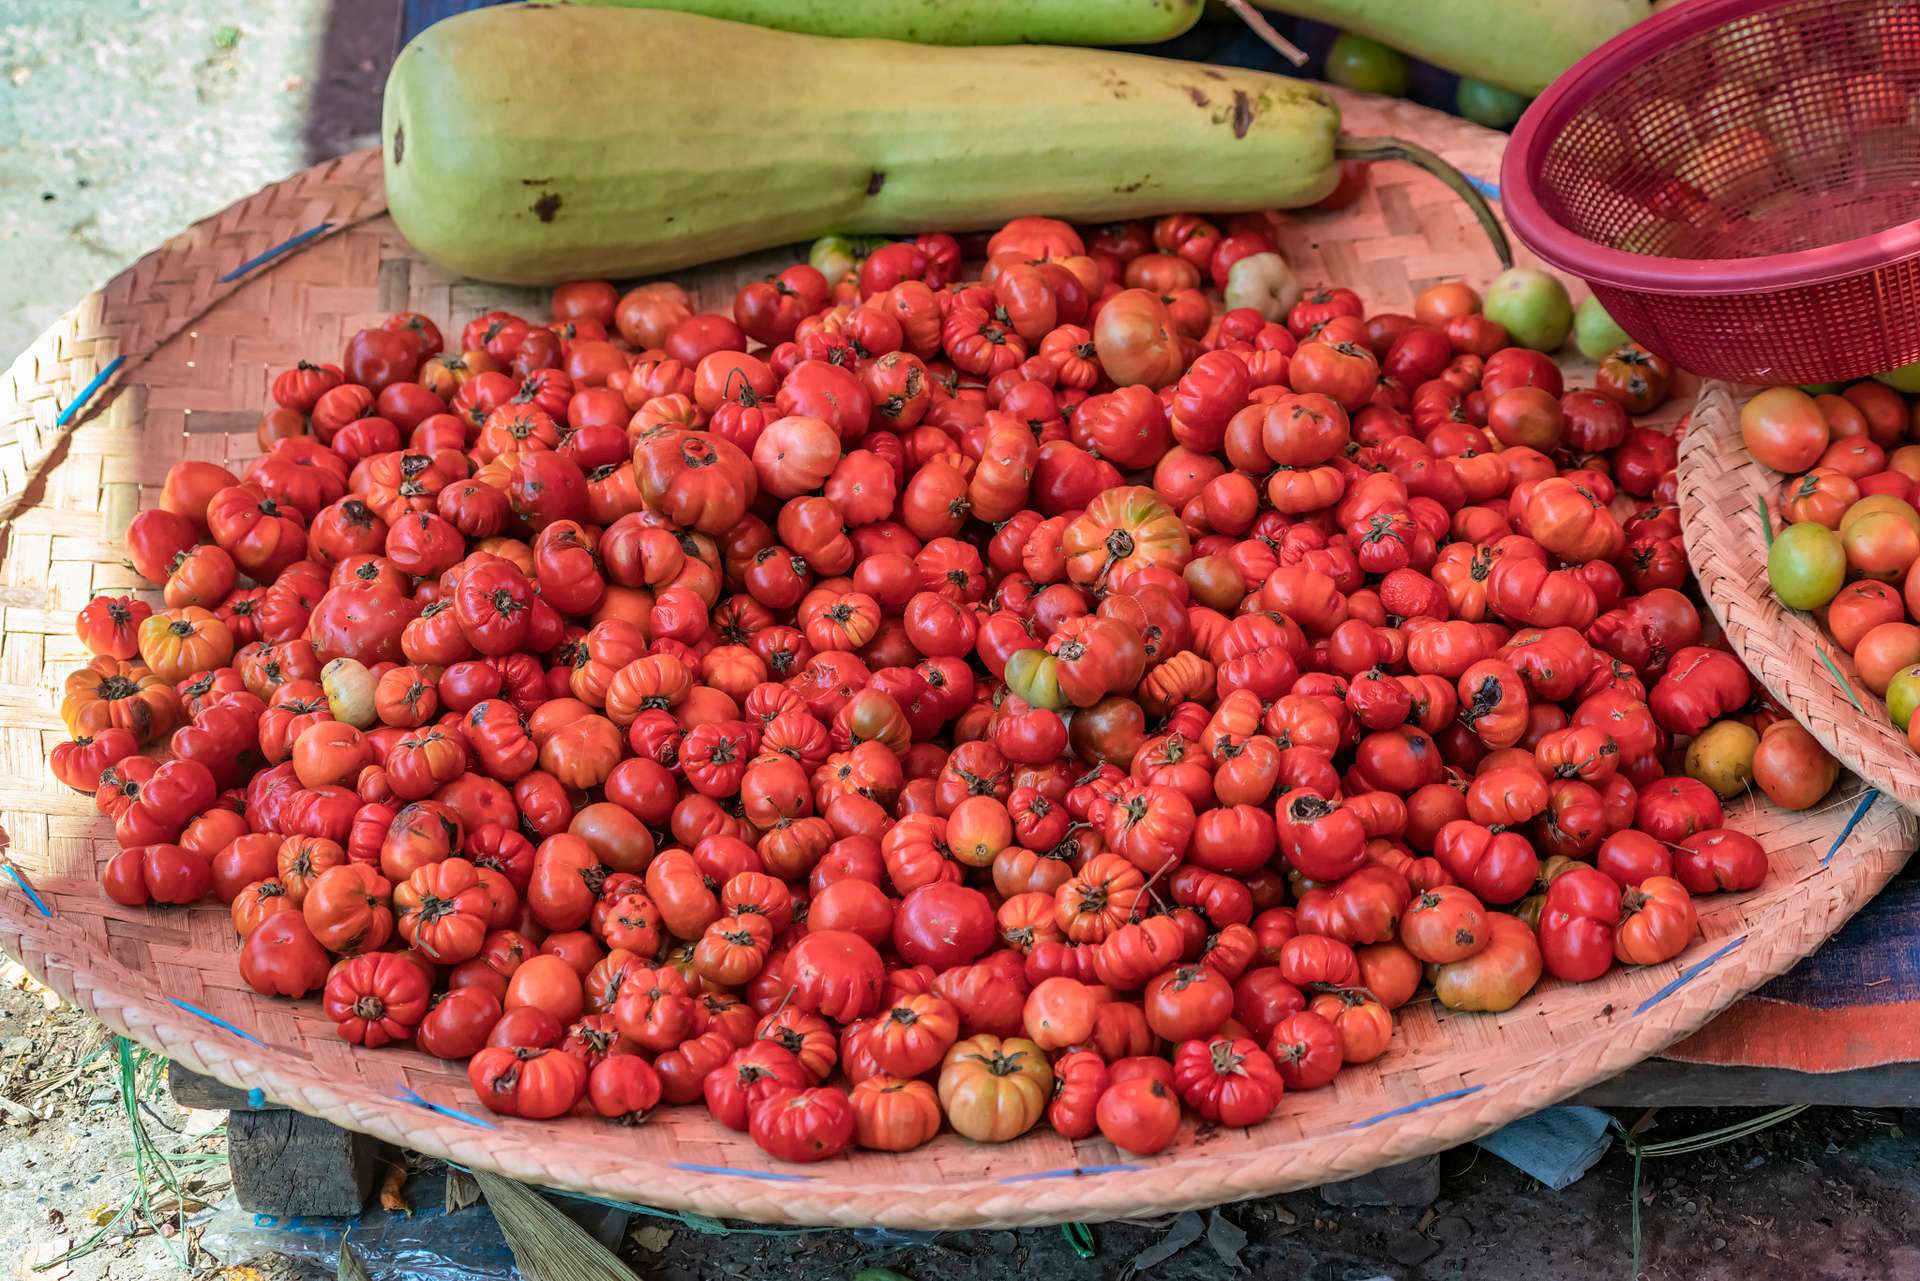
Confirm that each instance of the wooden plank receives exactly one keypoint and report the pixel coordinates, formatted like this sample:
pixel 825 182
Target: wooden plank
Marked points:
pixel 286 1162
pixel 191 1090
pixel 1667 1083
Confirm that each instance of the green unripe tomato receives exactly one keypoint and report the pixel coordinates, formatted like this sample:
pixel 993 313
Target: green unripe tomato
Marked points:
pixel 1533 305
pixel 1903 695
pixel 1486 104
pixel 1596 333
pixel 1807 565
pixel 1355 62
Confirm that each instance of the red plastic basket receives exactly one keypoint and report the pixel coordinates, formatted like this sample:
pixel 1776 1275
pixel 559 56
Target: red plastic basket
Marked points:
pixel 1739 182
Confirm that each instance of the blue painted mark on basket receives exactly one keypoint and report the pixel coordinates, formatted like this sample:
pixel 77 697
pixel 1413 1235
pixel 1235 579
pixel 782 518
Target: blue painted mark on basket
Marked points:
pixel 1859 812
pixel 267 256
pixel 410 1096
pixel 768 1176
pixel 256 1098
pixel 1418 1104
pixel 74 406
pixel 1072 1172
pixel 1491 190
pixel 33 895
pixel 1688 975
pixel 217 1021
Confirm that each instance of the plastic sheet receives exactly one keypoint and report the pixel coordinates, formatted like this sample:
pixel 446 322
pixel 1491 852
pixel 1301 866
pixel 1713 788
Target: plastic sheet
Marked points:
pixel 430 1244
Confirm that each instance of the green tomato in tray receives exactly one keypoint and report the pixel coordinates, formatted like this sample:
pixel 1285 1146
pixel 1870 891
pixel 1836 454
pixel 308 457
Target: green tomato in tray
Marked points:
pixel 1367 66
pixel 1903 694
pixel 1807 565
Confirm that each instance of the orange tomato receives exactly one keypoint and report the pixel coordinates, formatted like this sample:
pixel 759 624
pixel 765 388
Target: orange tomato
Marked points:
pixel 1860 607
pixel 331 752
pixel 1884 651
pixel 549 983
pixel 1881 545
pixel 1784 429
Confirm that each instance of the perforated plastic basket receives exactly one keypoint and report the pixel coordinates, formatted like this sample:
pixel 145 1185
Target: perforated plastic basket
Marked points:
pixel 1739 181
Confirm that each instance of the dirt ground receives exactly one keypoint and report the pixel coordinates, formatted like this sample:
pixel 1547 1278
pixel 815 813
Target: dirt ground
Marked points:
pixel 1829 1194
pixel 189 104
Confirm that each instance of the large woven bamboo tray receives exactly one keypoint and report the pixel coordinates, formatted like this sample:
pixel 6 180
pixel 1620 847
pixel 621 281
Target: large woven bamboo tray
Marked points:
pixel 171 360
pixel 1727 499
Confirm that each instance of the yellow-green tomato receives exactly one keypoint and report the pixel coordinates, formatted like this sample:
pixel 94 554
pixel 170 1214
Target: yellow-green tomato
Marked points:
pixel 1263 282
pixel 349 689
pixel 1807 565
pixel 834 257
pixel 1533 305
pixel 1033 674
pixel 1721 756
pixel 1903 695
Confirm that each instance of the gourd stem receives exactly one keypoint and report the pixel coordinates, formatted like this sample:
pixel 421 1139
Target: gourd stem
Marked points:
pixel 1371 149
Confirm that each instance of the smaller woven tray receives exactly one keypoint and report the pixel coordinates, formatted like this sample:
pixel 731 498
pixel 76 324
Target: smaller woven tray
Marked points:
pixel 1726 497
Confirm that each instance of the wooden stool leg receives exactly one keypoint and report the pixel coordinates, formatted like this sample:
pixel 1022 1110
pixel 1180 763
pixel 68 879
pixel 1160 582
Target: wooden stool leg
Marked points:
pixel 284 1162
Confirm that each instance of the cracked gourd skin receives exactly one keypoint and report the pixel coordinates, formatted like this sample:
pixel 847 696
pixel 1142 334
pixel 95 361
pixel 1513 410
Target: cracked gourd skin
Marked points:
pixel 530 145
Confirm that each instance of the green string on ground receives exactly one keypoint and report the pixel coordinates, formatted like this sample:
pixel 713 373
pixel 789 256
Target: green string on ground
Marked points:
pixel 1692 1143
pixel 140 1074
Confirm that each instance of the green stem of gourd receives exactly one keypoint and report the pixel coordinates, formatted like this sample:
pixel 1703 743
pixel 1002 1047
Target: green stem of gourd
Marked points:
pixel 1371 149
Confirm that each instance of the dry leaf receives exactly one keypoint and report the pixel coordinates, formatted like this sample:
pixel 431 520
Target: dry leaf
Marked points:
pixel 241 1272
pixel 462 1191
pixel 391 1196
pixel 652 1239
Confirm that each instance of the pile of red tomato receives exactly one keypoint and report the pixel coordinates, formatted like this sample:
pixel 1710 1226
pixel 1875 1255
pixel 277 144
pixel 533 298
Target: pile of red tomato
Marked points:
pixel 1038 694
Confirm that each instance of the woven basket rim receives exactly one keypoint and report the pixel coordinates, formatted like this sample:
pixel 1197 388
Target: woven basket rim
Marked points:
pixel 1842 854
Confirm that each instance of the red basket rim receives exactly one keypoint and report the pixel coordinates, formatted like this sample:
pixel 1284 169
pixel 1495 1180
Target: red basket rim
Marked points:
pixel 1560 247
